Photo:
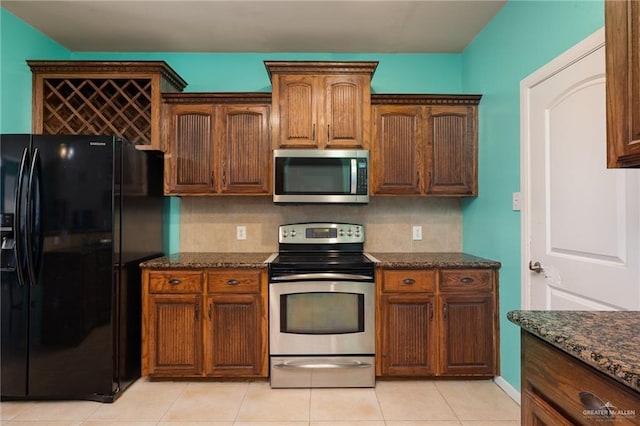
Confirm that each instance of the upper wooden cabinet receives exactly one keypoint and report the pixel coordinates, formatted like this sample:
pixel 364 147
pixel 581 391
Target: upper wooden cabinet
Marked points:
pixel 622 34
pixel 425 145
pixel 119 98
pixel 321 104
pixel 398 154
pixel 217 143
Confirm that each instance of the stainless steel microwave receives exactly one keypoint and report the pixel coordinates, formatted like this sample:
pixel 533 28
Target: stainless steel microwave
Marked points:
pixel 320 176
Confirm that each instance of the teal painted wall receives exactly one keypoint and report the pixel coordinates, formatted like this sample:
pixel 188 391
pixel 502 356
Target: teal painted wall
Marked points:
pixel 19 41
pixel 521 38
pixel 236 72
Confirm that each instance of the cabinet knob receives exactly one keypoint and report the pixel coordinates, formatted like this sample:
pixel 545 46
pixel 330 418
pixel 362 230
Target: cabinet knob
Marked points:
pixel 408 281
pixel 467 280
pixel 233 282
pixel 175 281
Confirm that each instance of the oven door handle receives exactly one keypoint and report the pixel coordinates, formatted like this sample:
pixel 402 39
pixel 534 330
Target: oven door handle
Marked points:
pixel 323 276
pixel 320 364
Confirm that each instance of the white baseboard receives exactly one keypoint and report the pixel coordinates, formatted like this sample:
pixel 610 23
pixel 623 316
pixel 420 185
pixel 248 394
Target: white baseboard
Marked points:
pixel 508 389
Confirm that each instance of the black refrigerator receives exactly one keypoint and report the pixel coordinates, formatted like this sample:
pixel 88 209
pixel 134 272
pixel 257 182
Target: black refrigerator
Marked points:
pixel 79 214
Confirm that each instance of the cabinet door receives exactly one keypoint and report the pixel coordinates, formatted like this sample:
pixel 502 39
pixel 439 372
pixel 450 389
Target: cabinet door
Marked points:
pixel 235 342
pixel 173 340
pixel 622 34
pixel 536 412
pixel 451 155
pixel 467 339
pixel 296 112
pixel 397 158
pixel 245 149
pixel 189 166
pixel 408 342
pixel 346 108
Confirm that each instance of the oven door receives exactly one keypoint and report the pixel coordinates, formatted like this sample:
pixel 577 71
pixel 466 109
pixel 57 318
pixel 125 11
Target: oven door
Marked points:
pixel 322 318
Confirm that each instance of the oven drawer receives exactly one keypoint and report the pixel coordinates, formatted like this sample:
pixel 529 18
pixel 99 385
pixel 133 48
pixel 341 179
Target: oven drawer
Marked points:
pixel 175 282
pixel 466 280
pixel 408 280
pixel 234 281
pixel 323 372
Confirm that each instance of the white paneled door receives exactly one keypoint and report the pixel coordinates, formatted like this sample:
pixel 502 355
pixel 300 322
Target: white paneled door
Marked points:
pixel 581 221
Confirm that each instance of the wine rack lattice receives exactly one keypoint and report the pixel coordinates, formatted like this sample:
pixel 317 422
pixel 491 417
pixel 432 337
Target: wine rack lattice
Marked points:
pixel 121 98
pixel 98 106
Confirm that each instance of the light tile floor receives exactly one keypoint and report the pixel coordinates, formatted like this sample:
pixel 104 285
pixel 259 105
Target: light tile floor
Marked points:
pixel 390 403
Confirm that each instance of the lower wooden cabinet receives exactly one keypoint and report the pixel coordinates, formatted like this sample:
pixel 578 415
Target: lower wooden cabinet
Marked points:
pixel 409 342
pixel 437 322
pixel 558 389
pixel 467 335
pixel 236 326
pixel 204 323
pixel 173 342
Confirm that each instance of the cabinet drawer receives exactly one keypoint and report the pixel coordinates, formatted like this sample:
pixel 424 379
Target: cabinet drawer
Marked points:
pixel 409 280
pixel 175 282
pixel 573 388
pixel 234 281
pixel 466 279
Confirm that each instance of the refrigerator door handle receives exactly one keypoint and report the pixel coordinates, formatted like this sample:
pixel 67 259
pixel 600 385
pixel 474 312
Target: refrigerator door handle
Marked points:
pixel 17 220
pixel 33 219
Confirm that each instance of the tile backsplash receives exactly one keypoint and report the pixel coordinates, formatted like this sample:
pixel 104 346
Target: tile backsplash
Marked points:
pixel 209 223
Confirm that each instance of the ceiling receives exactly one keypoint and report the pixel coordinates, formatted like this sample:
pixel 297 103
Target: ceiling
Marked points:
pixel 383 26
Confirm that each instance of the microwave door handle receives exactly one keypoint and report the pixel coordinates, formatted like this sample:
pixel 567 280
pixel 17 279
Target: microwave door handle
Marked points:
pixel 354 175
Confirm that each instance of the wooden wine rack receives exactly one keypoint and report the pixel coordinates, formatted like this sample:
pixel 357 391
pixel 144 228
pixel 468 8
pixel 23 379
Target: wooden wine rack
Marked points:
pixel 102 98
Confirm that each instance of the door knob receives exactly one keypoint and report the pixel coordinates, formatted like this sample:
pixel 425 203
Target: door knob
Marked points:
pixel 535 267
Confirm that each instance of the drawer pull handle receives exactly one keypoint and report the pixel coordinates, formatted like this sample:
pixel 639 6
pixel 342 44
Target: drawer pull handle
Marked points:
pixel 466 280
pixel 175 281
pixel 408 281
pixel 233 282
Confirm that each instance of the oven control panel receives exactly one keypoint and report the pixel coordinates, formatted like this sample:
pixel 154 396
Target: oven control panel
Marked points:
pixel 320 233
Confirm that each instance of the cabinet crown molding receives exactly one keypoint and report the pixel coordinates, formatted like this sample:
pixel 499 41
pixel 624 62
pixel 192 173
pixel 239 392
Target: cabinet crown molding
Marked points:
pixel 75 67
pixel 216 97
pixel 423 99
pixel 323 67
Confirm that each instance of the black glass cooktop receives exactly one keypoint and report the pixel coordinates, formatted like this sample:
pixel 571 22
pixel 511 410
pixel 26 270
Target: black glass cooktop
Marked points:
pixel 306 262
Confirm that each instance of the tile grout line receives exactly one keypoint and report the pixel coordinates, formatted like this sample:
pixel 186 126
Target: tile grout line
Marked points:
pixel 384 419
pixel 244 397
pixel 159 421
pixel 446 400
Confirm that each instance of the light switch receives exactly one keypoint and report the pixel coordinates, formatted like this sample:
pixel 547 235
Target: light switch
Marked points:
pixel 516 202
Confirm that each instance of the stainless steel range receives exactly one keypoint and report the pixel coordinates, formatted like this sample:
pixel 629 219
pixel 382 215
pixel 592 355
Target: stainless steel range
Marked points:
pixel 321 308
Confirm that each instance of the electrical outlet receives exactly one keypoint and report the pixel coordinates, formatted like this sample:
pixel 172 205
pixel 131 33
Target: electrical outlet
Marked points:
pixel 241 232
pixel 516 202
pixel 417 232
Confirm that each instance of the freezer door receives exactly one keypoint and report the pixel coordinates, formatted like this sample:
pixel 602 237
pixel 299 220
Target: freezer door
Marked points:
pixel 71 216
pixel 14 160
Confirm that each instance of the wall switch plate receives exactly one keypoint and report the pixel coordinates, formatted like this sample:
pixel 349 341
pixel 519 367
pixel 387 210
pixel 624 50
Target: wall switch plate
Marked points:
pixel 516 202
pixel 241 232
pixel 417 232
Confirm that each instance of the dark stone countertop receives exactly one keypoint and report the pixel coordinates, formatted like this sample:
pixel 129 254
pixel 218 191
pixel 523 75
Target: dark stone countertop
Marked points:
pixel 608 341
pixel 208 260
pixel 433 260
pixel 258 260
